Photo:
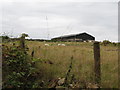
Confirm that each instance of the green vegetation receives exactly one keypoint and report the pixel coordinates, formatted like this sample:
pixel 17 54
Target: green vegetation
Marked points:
pixel 50 66
pixel 4 38
pixel 18 68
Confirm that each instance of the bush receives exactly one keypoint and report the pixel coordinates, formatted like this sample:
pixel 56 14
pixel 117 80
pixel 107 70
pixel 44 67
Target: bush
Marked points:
pixel 4 38
pixel 106 42
pixel 18 70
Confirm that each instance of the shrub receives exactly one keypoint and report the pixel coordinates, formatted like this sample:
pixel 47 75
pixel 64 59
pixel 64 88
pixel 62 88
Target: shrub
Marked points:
pixel 4 38
pixel 106 42
pixel 18 70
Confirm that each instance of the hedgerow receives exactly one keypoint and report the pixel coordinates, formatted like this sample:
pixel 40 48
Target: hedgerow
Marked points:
pixel 17 68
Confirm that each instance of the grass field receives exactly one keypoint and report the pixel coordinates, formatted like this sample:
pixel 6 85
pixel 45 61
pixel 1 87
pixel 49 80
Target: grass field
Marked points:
pixel 83 61
pixel 53 62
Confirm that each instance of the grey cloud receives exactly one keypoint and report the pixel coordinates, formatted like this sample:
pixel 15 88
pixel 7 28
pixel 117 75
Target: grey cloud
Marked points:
pixel 98 19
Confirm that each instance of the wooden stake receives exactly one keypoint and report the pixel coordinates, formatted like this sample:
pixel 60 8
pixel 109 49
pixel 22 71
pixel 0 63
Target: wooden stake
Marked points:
pixel 97 69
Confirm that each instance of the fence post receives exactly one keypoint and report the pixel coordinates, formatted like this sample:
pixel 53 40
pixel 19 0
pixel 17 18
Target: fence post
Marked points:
pixel 97 69
pixel 22 42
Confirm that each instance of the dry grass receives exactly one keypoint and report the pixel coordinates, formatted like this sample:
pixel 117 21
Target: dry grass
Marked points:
pixel 58 59
pixel 83 61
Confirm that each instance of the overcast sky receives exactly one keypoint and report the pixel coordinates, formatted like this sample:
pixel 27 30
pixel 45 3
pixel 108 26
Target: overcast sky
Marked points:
pixel 51 19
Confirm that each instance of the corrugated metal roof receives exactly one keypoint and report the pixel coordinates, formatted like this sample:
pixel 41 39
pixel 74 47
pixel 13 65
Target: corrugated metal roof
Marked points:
pixel 72 35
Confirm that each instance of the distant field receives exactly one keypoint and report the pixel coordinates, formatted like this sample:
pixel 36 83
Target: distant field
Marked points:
pixel 53 62
pixel 83 61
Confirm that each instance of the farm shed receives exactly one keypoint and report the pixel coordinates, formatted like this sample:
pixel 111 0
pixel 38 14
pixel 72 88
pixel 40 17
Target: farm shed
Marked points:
pixel 76 37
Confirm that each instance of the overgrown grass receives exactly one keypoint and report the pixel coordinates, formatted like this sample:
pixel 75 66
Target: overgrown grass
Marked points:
pixel 56 61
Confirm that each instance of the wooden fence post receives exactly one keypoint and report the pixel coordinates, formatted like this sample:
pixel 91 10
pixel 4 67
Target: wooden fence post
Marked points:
pixel 97 69
pixel 22 42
